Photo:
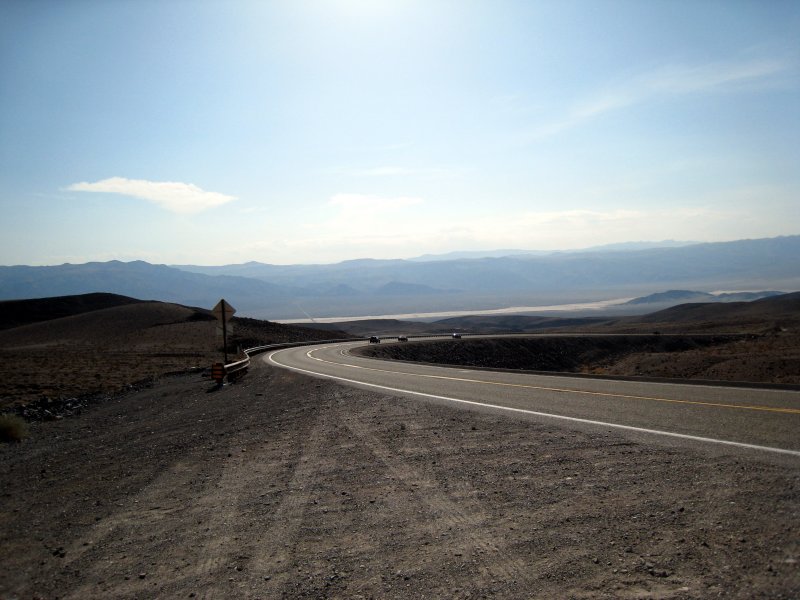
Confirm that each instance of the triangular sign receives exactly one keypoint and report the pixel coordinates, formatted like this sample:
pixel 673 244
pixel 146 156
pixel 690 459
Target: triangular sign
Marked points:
pixel 223 311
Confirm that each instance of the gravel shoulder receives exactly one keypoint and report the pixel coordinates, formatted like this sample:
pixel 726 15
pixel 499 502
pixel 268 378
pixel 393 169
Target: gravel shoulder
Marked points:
pixel 284 486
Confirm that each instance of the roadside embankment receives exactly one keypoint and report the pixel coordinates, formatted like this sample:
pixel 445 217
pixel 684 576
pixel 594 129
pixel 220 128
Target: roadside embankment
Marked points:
pixel 764 359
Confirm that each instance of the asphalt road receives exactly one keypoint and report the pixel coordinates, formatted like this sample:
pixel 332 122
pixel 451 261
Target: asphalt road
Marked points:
pixel 727 418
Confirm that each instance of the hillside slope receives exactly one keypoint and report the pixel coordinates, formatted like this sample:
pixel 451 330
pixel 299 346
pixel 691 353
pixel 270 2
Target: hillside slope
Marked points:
pixel 773 313
pixel 104 350
pixel 14 313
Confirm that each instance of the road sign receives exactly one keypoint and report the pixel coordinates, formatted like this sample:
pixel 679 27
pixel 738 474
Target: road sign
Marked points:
pixel 223 311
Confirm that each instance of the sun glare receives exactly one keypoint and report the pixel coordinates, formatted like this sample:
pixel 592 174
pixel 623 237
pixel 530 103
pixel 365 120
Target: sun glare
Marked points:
pixel 368 9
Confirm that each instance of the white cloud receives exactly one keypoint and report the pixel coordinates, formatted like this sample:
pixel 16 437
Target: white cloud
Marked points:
pixel 672 80
pixel 182 198
pixel 357 213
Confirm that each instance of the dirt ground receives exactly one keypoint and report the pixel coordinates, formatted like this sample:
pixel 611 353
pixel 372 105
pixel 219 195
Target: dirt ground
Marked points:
pixel 283 486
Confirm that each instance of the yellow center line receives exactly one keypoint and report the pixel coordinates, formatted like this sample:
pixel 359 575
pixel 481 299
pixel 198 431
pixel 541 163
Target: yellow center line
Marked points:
pixel 793 411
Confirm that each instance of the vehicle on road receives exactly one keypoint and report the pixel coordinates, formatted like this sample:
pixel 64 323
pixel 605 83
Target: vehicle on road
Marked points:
pixel 374 339
pixel 402 338
pixel 456 336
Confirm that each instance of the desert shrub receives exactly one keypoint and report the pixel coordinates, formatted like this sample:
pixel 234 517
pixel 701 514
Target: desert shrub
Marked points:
pixel 12 428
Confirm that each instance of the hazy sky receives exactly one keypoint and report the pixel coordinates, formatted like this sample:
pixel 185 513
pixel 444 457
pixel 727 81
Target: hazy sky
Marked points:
pixel 317 131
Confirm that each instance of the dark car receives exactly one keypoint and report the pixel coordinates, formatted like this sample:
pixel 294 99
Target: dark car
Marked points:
pixel 402 338
pixel 456 336
pixel 374 339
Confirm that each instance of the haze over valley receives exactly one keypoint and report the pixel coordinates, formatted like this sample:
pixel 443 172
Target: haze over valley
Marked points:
pixel 604 279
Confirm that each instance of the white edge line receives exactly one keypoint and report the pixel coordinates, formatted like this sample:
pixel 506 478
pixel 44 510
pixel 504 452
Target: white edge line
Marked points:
pixel 683 436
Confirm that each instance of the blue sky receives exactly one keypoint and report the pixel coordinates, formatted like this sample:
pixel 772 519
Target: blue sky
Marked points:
pixel 319 131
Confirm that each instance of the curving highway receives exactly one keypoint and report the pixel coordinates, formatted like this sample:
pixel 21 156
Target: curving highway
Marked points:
pixel 729 418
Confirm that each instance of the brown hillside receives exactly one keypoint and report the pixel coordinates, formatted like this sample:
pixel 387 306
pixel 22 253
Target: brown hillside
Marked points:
pixel 758 316
pixel 117 326
pixel 105 350
pixel 15 313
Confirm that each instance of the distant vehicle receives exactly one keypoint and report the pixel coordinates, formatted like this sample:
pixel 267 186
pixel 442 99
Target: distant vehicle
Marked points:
pixel 374 339
pixel 456 336
pixel 402 338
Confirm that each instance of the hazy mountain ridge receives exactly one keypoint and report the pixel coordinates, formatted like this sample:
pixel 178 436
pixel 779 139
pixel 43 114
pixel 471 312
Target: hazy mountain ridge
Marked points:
pixel 370 286
pixel 137 279
pixel 775 258
pixel 617 247
pixel 673 296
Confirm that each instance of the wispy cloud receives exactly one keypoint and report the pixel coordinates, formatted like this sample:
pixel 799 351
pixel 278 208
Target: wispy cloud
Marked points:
pixel 388 171
pixel 177 197
pixel 366 203
pixel 673 80
pixel 359 215
pixel 712 77
pixel 399 233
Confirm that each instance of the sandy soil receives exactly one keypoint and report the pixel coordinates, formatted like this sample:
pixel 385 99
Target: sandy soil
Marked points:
pixel 282 486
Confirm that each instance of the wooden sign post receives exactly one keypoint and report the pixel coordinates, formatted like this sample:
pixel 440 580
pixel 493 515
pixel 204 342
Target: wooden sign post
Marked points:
pixel 224 311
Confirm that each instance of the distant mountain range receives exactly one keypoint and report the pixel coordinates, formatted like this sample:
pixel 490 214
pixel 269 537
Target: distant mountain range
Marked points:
pixel 682 296
pixel 376 287
pixel 619 247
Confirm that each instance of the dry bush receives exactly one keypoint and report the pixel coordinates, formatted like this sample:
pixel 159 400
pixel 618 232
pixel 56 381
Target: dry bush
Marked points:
pixel 12 428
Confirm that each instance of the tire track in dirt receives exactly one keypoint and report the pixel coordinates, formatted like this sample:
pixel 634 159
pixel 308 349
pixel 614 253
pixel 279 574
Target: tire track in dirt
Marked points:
pixel 270 561
pixel 184 529
pixel 464 523
pixel 188 509
pixel 202 514
pixel 157 515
